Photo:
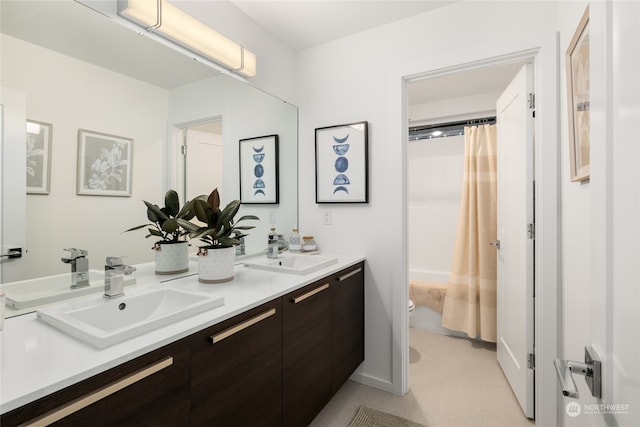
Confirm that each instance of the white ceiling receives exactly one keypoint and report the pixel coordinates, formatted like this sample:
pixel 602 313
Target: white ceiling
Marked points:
pixel 301 24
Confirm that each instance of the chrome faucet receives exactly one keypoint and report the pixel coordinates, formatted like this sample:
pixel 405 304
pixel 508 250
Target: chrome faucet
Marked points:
pixel 114 272
pixel 79 267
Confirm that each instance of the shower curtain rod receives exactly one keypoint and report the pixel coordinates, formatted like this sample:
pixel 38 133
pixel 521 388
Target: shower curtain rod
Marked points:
pixel 460 123
pixel 443 130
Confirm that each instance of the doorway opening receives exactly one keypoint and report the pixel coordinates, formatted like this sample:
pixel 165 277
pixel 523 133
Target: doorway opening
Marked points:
pixel 198 148
pixel 542 52
pixel 435 158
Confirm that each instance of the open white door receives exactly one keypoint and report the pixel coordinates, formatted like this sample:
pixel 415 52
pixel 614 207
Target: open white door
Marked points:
pixel 13 190
pixel 515 251
pixel 203 162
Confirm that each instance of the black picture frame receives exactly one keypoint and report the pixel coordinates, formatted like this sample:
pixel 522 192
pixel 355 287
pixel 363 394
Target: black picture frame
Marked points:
pixel 342 164
pixel 259 170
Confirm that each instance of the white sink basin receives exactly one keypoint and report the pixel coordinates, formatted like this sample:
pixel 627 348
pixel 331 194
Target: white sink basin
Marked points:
pixel 102 323
pixel 290 263
pixel 45 290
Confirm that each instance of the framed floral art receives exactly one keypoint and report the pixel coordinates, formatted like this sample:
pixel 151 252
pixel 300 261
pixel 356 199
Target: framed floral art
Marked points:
pixel 578 101
pixel 105 164
pixel 38 157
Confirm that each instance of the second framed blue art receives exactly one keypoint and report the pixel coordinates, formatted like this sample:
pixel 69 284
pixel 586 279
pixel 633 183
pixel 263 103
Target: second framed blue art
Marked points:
pixel 342 164
pixel 259 169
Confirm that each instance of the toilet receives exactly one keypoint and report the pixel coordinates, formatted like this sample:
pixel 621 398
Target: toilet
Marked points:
pixel 412 308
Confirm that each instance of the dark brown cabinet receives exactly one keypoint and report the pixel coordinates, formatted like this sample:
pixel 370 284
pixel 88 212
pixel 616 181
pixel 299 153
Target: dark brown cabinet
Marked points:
pixel 236 370
pixel 306 353
pixel 276 364
pixel 152 390
pixel 347 338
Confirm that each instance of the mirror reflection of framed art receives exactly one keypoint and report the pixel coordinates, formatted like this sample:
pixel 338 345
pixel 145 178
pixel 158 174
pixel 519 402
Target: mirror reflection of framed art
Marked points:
pixel 104 164
pixel 38 157
pixel 259 169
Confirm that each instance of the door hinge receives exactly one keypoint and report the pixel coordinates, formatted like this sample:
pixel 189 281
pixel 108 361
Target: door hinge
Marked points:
pixel 531 230
pixel 531 361
pixel 183 150
pixel 532 100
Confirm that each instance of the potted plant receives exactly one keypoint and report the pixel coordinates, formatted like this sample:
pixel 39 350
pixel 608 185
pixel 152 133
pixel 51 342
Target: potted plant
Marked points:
pixel 171 251
pixel 219 234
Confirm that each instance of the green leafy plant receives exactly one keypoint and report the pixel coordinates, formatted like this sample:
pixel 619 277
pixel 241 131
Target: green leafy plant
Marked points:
pixel 219 229
pixel 165 221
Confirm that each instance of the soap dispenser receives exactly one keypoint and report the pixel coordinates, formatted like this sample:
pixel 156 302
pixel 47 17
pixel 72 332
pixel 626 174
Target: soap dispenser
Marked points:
pixel 272 243
pixel 294 240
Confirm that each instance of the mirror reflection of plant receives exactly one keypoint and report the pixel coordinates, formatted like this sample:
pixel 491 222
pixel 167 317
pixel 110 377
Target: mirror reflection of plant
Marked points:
pixel 165 221
pixel 108 167
pixel 219 229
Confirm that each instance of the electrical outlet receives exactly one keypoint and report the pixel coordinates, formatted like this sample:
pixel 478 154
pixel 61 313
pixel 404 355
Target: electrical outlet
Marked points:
pixel 272 216
pixel 326 216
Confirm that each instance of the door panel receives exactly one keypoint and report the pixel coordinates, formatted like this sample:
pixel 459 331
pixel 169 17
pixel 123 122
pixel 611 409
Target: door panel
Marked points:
pixel 515 255
pixel 203 164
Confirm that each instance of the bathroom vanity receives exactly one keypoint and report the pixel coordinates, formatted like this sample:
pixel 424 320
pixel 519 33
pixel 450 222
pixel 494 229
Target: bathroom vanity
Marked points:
pixel 274 354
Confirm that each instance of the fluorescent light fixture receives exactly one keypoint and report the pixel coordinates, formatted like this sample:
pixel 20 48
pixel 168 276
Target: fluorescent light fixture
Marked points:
pixel 163 18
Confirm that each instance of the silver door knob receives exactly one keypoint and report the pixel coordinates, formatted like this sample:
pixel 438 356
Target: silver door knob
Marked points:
pixel 495 244
pixel 591 369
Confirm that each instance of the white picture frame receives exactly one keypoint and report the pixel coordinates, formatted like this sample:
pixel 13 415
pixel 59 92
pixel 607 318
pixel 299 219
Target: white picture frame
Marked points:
pixel 105 164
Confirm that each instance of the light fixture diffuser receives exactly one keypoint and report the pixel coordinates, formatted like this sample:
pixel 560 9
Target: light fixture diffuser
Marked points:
pixel 163 18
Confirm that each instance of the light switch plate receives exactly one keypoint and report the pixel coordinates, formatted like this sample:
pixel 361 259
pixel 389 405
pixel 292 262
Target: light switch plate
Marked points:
pixel 327 216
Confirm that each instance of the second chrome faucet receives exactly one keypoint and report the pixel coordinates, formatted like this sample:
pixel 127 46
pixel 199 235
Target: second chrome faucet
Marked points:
pixel 79 267
pixel 114 272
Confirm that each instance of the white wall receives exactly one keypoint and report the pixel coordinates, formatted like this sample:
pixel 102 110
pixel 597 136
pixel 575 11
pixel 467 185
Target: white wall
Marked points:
pixel 73 95
pixel 352 79
pixel 435 168
pixel 576 222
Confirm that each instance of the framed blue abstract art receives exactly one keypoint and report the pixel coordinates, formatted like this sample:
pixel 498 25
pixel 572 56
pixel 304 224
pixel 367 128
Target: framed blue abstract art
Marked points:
pixel 259 169
pixel 342 164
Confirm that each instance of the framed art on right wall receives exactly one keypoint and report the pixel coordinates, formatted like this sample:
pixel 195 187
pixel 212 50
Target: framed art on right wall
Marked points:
pixel 578 100
pixel 342 164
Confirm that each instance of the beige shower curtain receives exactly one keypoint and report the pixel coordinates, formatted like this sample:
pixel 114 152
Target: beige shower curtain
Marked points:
pixel 470 302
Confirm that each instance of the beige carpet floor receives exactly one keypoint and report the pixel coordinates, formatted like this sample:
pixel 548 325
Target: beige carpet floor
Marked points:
pixel 453 382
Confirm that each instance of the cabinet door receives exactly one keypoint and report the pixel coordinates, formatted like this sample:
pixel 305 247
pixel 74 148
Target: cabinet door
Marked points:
pixel 152 390
pixel 236 370
pixel 306 362
pixel 347 340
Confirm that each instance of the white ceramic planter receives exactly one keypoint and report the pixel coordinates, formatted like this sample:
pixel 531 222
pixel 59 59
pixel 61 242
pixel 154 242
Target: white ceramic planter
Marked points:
pixel 216 265
pixel 171 258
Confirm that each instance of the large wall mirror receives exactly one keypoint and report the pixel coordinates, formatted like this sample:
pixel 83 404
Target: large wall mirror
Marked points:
pixel 78 70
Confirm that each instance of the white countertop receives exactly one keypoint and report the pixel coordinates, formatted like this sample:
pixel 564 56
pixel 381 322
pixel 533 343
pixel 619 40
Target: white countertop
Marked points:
pixel 36 359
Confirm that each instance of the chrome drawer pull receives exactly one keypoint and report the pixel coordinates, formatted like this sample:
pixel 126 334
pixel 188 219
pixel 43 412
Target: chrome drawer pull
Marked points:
pixel 310 293
pixel 241 326
pixel 106 391
pixel 349 274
